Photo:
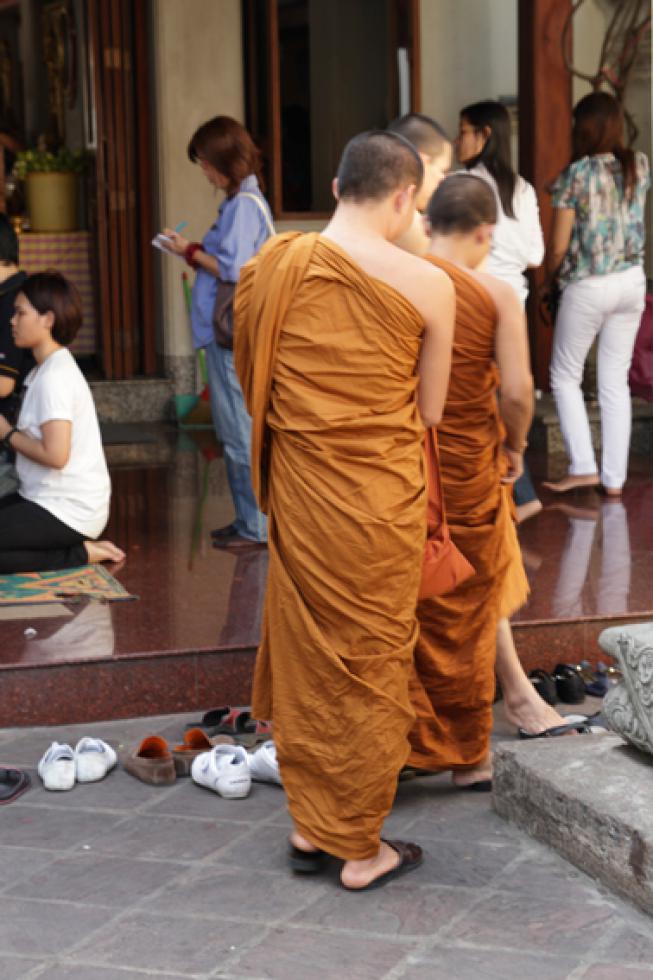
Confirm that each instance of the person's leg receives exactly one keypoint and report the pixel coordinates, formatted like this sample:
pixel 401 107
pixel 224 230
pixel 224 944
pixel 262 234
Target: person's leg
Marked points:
pixel 577 324
pixel 614 581
pixel 33 540
pixel 615 352
pixel 523 706
pixel 233 428
pixel 527 503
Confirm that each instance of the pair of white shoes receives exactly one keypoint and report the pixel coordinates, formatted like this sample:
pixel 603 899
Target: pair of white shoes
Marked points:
pixel 229 770
pixel 88 762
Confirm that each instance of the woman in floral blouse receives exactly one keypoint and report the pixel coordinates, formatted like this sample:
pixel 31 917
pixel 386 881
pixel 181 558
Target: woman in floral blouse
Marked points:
pixel 597 254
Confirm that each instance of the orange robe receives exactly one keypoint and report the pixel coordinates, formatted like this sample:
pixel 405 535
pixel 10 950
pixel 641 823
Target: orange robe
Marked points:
pixel 327 359
pixel 452 687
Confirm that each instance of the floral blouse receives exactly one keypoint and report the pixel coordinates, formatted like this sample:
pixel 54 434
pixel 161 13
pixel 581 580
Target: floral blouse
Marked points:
pixel 608 233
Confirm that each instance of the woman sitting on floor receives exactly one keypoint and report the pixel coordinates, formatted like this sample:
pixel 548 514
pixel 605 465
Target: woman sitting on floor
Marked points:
pixel 62 502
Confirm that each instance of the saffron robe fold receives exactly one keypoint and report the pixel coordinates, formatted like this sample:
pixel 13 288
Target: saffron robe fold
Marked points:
pixel 327 359
pixel 452 686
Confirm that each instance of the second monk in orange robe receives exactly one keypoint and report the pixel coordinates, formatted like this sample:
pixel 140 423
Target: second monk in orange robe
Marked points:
pixel 334 333
pixel 481 437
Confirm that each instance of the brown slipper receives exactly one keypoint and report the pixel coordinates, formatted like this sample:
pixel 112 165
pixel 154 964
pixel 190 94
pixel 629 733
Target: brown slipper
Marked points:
pixel 410 857
pixel 195 742
pixel 151 762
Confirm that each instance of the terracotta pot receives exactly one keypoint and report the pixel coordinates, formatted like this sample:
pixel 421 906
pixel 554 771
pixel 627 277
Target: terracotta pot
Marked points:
pixel 52 201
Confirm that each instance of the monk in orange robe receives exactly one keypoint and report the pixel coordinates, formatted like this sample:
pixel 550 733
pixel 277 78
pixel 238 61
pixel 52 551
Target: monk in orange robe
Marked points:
pixel 482 435
pixel 342 347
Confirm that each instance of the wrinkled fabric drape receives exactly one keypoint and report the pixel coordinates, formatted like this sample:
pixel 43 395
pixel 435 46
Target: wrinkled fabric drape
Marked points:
pixel 452 685
pixel 327 358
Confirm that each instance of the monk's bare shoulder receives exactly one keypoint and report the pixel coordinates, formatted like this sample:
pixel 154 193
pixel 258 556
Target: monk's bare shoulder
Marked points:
pixel 505 298
pixel 422 283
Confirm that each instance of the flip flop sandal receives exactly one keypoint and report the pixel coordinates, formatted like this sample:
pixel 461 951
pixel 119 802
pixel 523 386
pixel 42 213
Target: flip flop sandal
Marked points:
pixel 410 857
pixel 545 685
pixel 219 721
pixel 306 862
pixel 570 686
pixel 575 726
pixel 13 783
pixel 480 786
pixel 596 681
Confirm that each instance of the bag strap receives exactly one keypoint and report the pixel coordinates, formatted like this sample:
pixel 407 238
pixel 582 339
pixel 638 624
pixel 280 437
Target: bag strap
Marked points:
pixel 262 207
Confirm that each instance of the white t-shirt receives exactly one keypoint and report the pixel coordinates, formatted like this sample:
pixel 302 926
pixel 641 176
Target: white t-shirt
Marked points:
pixel 79 493
pixel 517 242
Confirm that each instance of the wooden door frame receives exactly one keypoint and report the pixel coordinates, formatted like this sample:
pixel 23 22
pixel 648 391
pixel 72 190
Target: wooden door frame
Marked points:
pixel 545 103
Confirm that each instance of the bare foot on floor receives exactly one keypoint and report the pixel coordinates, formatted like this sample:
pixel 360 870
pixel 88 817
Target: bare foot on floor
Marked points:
pixel 98 551
pixel 359 874
pixel 479 774
pixel 572 482
pixel 533 715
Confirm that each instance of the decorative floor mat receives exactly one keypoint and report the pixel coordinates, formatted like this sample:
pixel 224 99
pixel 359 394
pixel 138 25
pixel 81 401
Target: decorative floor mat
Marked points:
pixel 89 581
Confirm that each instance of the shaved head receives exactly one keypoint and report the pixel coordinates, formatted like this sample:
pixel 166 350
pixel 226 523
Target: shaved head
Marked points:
pixel 375 164
pixel 462 203
pixel 424 133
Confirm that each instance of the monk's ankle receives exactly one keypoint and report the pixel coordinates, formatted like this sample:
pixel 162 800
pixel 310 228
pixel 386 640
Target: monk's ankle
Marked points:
pixel 302 844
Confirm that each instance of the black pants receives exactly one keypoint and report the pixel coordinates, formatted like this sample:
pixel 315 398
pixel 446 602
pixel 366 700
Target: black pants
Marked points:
pixel 34 540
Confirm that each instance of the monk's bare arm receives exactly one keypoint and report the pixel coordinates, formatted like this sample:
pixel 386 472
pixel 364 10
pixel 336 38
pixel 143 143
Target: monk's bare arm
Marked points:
pixel 434 297
pixel 513 361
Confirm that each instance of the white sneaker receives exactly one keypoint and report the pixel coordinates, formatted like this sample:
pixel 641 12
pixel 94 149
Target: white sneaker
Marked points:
pixel 57 767
pixel 224 769
pixel 93 759
pixel 263 765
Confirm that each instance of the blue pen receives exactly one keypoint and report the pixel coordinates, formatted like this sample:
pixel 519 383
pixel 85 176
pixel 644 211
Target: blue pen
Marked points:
pixel 180 226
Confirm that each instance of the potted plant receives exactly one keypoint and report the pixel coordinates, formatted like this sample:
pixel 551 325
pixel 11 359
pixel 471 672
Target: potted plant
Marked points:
pixel 51 186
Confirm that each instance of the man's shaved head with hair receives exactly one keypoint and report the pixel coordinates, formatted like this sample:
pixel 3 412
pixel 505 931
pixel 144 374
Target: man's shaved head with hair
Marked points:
pixel 424 133
pixel 461 204
pixel 376 163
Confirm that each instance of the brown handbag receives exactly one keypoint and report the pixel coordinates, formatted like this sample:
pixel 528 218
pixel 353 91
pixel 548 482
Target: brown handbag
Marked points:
pixel 444 567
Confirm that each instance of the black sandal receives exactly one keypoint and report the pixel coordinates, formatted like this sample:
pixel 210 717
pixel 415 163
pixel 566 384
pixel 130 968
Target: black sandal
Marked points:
pixel 410 857
pixel 570 686
pixel 306 862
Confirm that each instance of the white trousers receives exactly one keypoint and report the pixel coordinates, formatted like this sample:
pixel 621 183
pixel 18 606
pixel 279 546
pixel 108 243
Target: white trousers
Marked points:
pixel 611 307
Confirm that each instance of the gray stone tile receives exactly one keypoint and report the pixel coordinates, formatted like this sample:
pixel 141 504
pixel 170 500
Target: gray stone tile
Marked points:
pixel 236 892
pixel 462 964
pixel 507 920
pixel 631 946
pixel 399 909
pixel 36 929
pixel 82 971
pixel 51 827
pixel 190 800
pixel 93 879
pixel 542 872
pixel 20 862
pixel 264 847
pixel 166 838
pixel 118 791
pixel 610 971
pixel 463 863
pixel 294 954
pixel 14 968
pixel 448 823
pixel 154 942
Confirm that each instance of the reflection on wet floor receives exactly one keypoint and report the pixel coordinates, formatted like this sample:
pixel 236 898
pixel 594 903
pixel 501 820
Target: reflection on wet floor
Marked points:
pixel 585 557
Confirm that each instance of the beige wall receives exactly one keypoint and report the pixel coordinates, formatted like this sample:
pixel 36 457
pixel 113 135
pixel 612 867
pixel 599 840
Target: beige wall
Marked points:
pixel 198 74
pixel 469 53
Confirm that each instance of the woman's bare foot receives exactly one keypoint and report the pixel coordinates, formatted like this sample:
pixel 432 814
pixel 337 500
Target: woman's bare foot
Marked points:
pixel 98 551
pixel 614 492
pixel 532 714
pixel 529 509
pixel 359 874
pixel 572 482
pixel 479 774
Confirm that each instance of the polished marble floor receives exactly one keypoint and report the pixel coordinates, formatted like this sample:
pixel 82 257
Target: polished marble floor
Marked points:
pixel 587 558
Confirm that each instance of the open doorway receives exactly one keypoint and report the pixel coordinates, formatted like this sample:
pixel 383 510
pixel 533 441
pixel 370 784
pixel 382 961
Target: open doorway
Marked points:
pixel 75 168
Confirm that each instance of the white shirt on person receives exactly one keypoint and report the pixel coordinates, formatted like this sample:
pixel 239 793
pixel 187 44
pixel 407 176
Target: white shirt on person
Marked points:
pixel 518 242
pixel 79 493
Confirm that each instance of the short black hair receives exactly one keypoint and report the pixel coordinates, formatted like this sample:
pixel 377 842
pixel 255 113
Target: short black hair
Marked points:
pixel 426 135
pixel 8 242
pixel 51 292
pixel 376 163
pixel 461 203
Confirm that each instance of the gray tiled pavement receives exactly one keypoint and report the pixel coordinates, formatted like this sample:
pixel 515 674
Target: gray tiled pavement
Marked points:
pixel 118 881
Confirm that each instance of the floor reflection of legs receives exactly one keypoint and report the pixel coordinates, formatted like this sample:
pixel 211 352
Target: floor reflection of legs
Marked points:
pixel 614 581
pixel 567 601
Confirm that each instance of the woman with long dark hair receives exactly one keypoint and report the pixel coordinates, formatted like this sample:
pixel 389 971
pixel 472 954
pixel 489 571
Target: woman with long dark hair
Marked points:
pixel 230 161
pixel 597 254
pixel 483 146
